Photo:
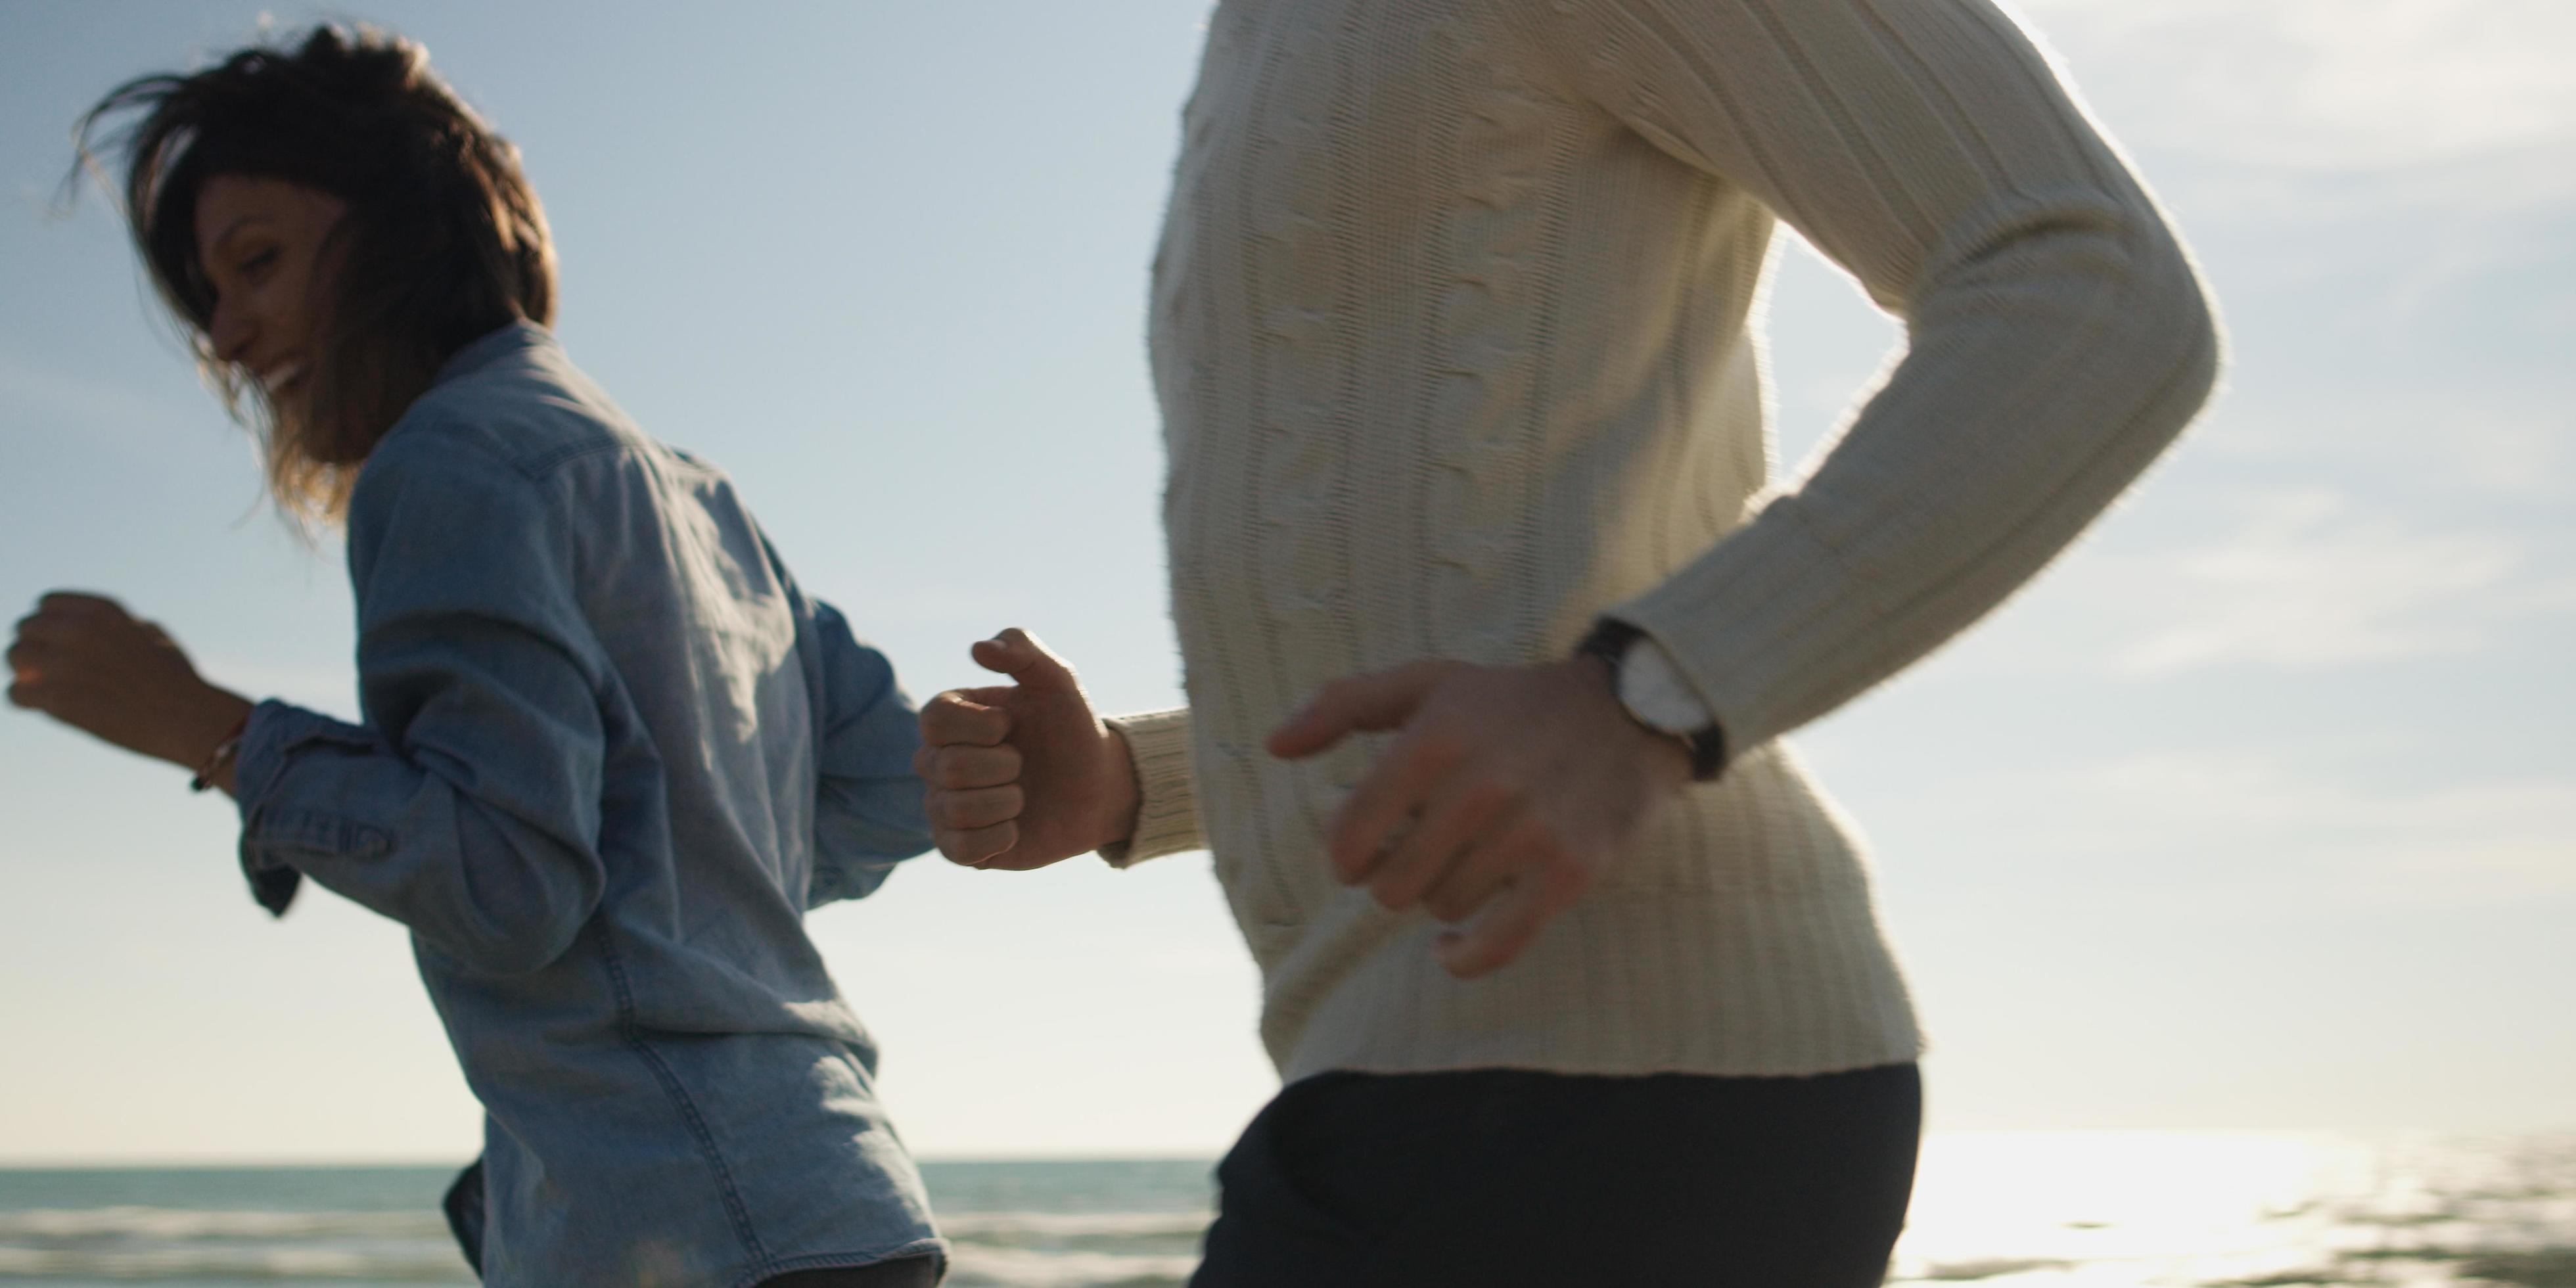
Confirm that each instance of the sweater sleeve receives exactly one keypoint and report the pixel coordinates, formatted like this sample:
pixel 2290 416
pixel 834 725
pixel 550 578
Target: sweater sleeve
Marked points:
pixel 2057 338
pixel 1167 806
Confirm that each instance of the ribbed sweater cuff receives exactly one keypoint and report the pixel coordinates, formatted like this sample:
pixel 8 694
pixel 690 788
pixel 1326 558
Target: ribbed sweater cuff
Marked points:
pixel 1752 626
pixel 1167 804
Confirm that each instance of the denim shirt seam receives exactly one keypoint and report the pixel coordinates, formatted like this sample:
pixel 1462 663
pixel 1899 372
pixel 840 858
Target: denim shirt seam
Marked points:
pixel 313 831
pixel 265 745
pixel 536 467
pixel 631 1034
pixel 533 467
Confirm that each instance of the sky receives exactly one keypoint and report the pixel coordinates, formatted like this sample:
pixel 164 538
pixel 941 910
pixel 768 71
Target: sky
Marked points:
pixel 2257 811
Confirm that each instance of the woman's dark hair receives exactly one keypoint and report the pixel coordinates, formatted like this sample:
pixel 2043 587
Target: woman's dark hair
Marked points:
pixel 443 241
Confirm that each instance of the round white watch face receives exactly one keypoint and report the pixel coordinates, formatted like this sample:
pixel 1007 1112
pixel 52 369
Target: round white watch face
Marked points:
pixel 1653 690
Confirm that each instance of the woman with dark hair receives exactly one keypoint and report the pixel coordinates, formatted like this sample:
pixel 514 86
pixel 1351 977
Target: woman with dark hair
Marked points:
pixel 611 753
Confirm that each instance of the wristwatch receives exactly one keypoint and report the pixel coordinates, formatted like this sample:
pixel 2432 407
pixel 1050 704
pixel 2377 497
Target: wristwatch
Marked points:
pixel 1652 690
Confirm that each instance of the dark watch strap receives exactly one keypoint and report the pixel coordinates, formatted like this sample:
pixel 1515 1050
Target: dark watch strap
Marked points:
pixel 1610 640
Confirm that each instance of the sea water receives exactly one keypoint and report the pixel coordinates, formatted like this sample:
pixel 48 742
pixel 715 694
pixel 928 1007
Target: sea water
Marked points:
pixel 2039 1210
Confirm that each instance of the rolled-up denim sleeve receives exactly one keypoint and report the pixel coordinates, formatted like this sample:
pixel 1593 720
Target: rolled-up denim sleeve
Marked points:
pixel 467 806
pixel 868 802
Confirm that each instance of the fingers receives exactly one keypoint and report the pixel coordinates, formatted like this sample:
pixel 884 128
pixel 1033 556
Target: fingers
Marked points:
pixel 30 660
pixel 974 810
pixel 28 653
pixel 975 847
pixel 1513 845
pixel 27 676
pixel 1513 921
pixel 1384 700
pixel 68 619
pixel 47 628
pixel 1451 826
pixel 1385 802
pixel 962 756
pixel 974 800
pixel 953 718
pixel 59 622
pixel 965 766
pixel 1017 654
pixel 76 603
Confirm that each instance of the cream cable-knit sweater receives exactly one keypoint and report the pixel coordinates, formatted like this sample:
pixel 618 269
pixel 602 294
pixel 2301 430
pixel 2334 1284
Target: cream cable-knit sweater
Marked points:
pixel 1454 330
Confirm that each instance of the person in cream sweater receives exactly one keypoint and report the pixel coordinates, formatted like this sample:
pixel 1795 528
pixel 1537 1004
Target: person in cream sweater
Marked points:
pixel 1493 612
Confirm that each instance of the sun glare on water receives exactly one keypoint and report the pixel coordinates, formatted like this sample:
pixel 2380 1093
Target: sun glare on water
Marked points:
pixel 2059 1210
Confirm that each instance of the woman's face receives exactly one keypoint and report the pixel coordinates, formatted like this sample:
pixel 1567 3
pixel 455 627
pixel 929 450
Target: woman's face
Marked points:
pixel 264 245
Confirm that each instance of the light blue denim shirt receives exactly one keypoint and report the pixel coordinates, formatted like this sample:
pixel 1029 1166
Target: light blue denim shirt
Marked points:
pixel 611 756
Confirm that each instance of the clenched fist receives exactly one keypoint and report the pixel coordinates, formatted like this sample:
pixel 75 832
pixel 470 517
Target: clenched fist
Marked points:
pixel 1022 775
pixel 85 661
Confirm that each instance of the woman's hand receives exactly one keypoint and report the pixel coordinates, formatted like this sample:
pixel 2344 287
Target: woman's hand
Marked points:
pixel 1023 775
pixel 85 661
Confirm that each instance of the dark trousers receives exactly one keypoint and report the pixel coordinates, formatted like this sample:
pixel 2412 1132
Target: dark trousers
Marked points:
pixel 1498 1178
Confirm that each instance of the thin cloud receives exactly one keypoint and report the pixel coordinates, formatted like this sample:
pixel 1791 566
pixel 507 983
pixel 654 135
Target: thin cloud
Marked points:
pixel 2490 445
pixel 2327 84
pixel 42 395
pixel 2304 834
pixel 2310 581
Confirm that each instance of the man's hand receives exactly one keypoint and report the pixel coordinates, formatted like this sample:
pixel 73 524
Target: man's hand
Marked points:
pixel 1023 775
pixel 1504 796
pixel 85 661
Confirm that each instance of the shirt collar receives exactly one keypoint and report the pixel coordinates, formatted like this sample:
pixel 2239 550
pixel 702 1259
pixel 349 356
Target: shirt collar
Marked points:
pixel 516 337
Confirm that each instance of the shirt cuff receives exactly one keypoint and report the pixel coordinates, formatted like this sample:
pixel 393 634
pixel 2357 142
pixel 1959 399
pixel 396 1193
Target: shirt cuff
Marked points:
pixel 273 730
pixel 1167 805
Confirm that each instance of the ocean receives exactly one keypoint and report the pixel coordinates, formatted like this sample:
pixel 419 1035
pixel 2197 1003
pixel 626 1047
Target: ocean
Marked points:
pixel 2003 1210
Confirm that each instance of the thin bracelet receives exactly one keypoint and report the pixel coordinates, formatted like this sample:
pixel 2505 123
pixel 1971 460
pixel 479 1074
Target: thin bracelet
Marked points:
pixel 221 756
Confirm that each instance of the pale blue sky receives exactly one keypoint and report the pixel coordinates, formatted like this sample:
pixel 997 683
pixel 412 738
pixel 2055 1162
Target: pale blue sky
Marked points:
pixel 2259 810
